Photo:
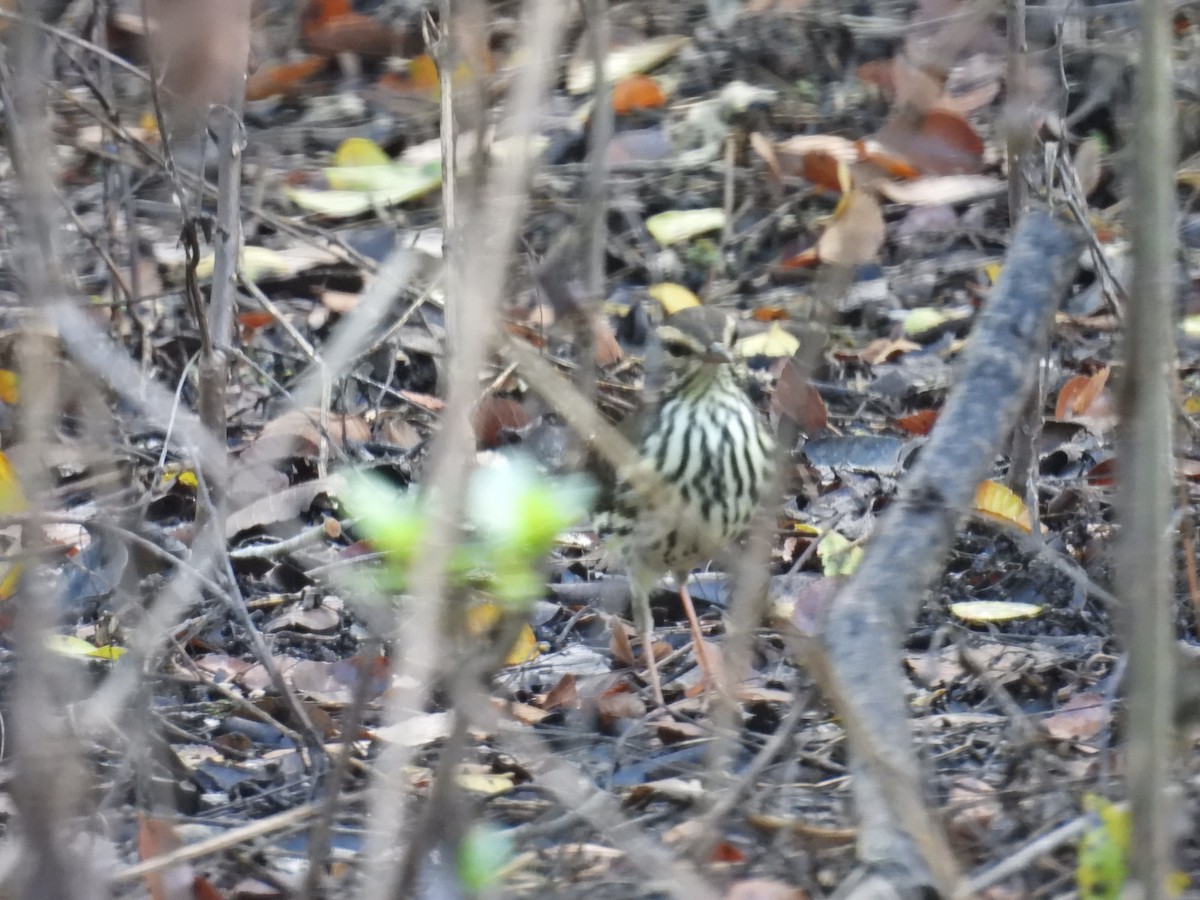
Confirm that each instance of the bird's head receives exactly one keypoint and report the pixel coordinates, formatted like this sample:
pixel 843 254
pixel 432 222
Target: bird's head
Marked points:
pixel 697 340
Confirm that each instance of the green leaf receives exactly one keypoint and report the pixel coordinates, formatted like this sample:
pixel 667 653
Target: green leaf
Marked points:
pixel 519 510
pixel 393 521
pixel 482 856
pixel 838 555
pixel 1103 866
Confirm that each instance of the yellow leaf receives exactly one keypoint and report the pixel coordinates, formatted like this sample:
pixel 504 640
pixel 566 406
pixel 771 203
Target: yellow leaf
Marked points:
pixel 994 610
pixel 10 387
pixel 994 501
pixel 838 555
pixel 482 618
pixel 776 342
pixel 490 784
pixel 360 151
pixel 69 645
pixel 672 297
pixel 10 579
pixel 12 498
pixel 677 225
pixel 524 649
pixel 923 319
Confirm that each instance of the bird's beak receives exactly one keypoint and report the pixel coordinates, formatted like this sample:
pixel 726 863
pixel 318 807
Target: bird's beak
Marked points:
pixel 718 353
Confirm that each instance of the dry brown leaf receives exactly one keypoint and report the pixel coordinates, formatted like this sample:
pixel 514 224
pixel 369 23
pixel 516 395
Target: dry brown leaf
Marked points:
pixel 202 52
pixel 797 399
pixel 763 889
pixel 1081 718
pixel 608 351
pixel 1088 166
pixel 935 190
pixel 620 704
pixel 155 838
pixel 495 416
pixel 297 433
pixel 857 232
pixel 563 695
pixel 973 807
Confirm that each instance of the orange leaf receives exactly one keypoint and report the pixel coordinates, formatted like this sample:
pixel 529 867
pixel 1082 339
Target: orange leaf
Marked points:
pixel 822 169
pixel 255 320
pixel 288 78
pixel 637 92
pixel 893 166
pixel 1079 393
pixel 157 838
pixel 920 422
pixel 321 12
pixel 952 130
pixel 422 73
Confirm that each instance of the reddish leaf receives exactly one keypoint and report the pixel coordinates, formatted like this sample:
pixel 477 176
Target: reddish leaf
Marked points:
pixel 321 12
pixel 725 852
pixel 635 93
pixel 494 416
pixel 203 889
pixel 920 422
pixel 356 34
pixel 287 79
pixel 1103 474
pixel 770 314
pixel 1077 396
pixel 158 838
pixel 795 398
pixel 562 695
pixel 821 169
pixel 939 143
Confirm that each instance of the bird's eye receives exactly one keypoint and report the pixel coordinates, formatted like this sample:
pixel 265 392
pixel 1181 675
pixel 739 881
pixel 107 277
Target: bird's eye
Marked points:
pixel 677 349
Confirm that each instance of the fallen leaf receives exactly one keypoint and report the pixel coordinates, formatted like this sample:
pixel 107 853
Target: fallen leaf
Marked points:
pixel 1081 718
pixel 763 889
pixel 622 62
pixel 636 93
pixel 993 611
pixel 994 501
pixel 672 297
pixel 857 232
pixel 677 225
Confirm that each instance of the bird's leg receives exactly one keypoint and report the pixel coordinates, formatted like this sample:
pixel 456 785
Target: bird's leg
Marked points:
pixel 641 602
pixel 709 677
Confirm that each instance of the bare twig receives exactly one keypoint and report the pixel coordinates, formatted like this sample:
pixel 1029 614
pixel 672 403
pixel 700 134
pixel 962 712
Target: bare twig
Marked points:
pixel 1145 577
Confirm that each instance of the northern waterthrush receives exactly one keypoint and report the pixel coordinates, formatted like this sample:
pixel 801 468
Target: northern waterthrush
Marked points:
pixel 709 458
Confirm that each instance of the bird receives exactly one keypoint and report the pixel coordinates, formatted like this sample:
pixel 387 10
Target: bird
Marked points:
pixel 708 457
